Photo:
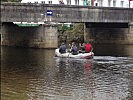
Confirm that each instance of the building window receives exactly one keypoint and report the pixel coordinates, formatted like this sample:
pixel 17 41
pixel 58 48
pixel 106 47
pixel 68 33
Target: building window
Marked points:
pixel 114 3
pixel 36 2
pixel 43 2
pixel 61 2
pixel 101 3
pixel 68 2
pixel 109 3
pixel 122 3
pixel 96 4
pixel 76 2
pixel 49 2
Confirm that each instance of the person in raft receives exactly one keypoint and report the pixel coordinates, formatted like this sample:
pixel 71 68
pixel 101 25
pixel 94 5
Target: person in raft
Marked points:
pixel 74 49
pixel 81 47
pixel 62 48
pixel 88 47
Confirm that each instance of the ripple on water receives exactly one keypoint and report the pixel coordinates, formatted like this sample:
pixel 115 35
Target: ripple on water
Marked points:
pixel 48 78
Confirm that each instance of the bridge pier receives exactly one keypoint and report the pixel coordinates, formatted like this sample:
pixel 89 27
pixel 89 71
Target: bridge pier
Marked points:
pixel 130 35
pixel 41 36
pixel 131 27
pixel 109 34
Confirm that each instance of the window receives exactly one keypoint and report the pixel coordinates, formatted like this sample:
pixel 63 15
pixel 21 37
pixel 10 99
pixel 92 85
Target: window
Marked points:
pixel 68 2
pixel 96 4
pixel 43 2
pixel 122 3
pixel 114 3
pixel 49 2
pixel 36 2
pixel 100 2
pixel 109 3
pixel 76 2
pixel 61 2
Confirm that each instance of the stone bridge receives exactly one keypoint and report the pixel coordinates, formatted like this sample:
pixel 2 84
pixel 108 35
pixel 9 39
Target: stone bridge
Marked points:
pixel 102 24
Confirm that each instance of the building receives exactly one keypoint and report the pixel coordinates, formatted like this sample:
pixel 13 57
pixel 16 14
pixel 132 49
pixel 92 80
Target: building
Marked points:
pixel 101 3
pixel 41 1
pixel 66 2
pixel 114 3
pixel 130 3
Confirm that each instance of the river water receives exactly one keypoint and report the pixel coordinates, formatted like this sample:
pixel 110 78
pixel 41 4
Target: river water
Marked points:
pixel 35 74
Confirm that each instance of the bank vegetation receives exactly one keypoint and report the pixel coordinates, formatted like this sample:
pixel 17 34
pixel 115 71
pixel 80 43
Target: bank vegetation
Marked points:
pixel 71 33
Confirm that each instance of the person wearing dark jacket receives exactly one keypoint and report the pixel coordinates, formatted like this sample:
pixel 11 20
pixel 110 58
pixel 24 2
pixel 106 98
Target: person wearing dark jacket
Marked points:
pixel 82 48
pixel 62 48
pixel 74 49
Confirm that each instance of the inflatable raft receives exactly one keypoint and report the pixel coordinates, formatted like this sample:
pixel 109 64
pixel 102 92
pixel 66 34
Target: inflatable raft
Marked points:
pixel 70 55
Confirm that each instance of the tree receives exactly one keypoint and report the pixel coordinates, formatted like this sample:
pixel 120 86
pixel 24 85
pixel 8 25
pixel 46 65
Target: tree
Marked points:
pixel 74 33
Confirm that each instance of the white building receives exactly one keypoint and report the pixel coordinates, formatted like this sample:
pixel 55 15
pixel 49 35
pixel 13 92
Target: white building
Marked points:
pixel 41 1
pixel 112 3
pixel 103 3
pixel 131 4
pixel 66 2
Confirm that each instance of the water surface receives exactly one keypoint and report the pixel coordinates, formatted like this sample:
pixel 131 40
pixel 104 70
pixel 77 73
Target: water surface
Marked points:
pixel 35 74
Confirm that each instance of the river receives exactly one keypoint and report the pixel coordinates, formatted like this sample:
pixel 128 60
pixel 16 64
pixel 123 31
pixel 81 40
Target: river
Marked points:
pixel 35 74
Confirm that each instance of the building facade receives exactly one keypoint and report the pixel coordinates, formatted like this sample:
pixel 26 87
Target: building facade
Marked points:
pixel 101 3
pixel 112 3
pixel 66 2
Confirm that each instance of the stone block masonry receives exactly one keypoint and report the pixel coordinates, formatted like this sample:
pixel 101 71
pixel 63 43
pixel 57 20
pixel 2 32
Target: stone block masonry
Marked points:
pixel 121 34
pixel 38 36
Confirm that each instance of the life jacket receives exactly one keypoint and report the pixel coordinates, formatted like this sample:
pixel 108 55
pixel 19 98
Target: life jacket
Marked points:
pixel 88 47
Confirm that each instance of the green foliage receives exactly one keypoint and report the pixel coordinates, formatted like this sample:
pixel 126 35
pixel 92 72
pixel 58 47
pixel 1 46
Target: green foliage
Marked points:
pixel 78 33
pixel 11 0
pixel 73 33
pixel 62 29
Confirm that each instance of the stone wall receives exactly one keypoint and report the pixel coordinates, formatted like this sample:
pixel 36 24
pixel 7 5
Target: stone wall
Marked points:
pixel 38 36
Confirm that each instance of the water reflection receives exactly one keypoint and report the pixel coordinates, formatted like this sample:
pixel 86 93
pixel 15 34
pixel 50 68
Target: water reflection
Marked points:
pixel 88 66
pixel 70 69
pixel 35 74
pixel 74 78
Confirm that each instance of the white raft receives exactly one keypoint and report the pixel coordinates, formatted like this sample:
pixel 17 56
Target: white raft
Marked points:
pixel 79 55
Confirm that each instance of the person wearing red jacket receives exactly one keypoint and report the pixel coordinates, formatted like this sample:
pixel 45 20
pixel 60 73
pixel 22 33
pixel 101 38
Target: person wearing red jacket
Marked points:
pixel 88 47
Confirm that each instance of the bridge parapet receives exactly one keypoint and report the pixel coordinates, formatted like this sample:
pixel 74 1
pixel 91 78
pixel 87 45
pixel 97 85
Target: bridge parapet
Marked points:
pixel 22 12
